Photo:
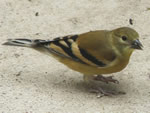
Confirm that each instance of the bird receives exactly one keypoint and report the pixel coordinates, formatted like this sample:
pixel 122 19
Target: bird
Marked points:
pixel 95 54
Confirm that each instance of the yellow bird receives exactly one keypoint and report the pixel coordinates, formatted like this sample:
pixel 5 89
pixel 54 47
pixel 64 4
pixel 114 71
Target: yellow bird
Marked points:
pixel 92 53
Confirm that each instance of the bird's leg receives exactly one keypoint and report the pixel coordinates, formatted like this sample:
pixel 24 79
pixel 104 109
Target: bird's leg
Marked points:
pixel 88 79
pixel 106 79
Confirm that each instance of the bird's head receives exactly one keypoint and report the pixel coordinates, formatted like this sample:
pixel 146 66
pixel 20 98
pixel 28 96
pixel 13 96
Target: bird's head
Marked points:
pixel 126 38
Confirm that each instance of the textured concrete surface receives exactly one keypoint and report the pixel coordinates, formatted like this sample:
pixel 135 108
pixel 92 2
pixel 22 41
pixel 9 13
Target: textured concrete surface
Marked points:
pixel 31 82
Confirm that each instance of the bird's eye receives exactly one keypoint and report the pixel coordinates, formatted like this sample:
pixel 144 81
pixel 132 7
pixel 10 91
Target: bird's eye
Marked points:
pixel 124 38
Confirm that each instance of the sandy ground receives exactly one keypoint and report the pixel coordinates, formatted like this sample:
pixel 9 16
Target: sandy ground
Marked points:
pixel 31 82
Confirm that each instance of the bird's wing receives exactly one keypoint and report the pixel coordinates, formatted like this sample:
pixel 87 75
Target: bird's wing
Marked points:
pixel 70 47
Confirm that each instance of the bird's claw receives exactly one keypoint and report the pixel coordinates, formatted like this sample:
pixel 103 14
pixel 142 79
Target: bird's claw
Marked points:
pixel 106 79
pixel 101 92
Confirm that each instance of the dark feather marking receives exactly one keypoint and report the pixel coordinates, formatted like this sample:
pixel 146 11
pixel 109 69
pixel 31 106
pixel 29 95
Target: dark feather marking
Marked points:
pixel 65 38
pixel 56 52
pixel 57 39
pixel 67 42
pixel 18 42
pixel 68 51
pixel 91 58
pixel 39 42
pixel 74 37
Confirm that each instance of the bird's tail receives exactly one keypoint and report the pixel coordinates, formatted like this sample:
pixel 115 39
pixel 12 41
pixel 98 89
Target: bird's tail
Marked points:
pixel 23 42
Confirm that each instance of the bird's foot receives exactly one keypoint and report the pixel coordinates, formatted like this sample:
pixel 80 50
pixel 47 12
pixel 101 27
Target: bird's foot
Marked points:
pixel 106 79
pixel 101 92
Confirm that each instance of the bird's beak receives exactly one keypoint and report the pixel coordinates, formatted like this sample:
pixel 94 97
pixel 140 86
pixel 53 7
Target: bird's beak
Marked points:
pixel 136 44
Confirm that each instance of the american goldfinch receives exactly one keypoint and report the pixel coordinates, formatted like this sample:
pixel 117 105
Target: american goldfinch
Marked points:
pixel 92 53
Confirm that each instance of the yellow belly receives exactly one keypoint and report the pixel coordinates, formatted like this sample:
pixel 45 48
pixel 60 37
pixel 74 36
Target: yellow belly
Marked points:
pixel 93 70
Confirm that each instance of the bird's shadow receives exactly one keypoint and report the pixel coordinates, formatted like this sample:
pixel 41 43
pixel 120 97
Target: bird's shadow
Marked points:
pixel 77 84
